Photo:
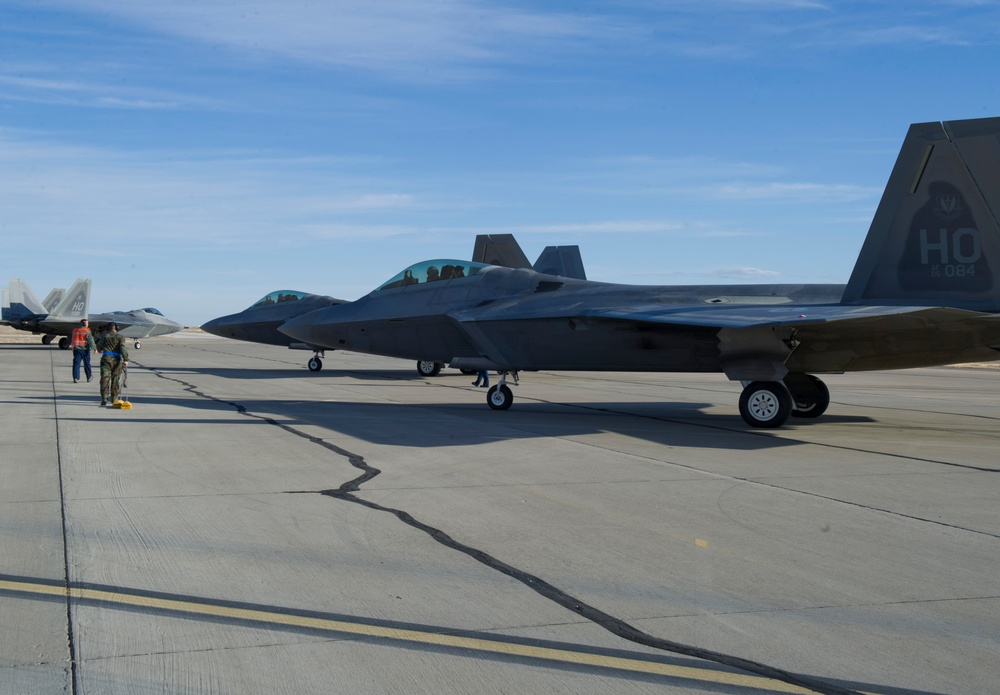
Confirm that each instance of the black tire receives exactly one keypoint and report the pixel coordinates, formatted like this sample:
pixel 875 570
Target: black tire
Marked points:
pixel 47 339
pixel 138 345
pixel 765 404
pixel 315 364
pixel 64 343
pixel 816 407
pixel 428 368
pixel 499 397
pixel 469 372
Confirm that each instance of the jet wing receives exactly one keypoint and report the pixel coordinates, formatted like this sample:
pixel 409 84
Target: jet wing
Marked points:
pixel 776 316
pixel 705 315
pixel 748 341
pixel 128 325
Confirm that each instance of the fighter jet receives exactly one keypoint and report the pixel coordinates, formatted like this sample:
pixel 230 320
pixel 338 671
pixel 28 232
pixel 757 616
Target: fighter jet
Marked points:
pixel 924 292
pixel 259 322
pixel 24 312
pixel 135 324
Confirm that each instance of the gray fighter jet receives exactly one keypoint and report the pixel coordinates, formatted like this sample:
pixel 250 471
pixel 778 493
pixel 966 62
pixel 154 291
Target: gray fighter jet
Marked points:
pixel 56 317
pixel 61 312
pixel 924 291
pixel 136 324
pixel 259 322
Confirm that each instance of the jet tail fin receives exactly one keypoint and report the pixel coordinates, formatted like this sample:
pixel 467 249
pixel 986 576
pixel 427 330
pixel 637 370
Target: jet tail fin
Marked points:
pixel 564 261
pixel 53 298
pixel 75 303
pixel 21 302
pixel 499 249
pixel 935 237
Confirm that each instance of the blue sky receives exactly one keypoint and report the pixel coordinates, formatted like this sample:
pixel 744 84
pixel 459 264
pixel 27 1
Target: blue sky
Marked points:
pixel 198 154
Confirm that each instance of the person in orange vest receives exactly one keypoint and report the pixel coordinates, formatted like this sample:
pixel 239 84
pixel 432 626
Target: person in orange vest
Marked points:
pixel 82 342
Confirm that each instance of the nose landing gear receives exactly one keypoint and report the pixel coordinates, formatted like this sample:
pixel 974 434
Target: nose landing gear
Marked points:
pixel 500 397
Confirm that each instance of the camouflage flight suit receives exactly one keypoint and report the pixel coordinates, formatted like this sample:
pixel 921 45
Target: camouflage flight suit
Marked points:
pixel 113 358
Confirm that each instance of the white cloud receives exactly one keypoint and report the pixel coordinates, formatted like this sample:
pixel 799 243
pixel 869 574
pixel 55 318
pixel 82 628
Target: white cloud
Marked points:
pixel 429 40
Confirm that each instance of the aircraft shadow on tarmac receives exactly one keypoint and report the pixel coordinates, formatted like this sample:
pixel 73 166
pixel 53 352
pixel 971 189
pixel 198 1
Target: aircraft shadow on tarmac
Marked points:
pixel 676 424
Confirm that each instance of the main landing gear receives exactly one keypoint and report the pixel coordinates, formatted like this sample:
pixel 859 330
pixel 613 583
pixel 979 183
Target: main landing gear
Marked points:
pixel 315 363
pixel 770 403
pixel 500 397
pixel 428 368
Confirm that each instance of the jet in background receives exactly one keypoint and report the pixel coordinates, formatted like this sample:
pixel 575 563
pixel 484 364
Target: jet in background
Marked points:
pixel 23 311
pixel 136 324
pixel 259 322
pixel 925 291
pixel 61 312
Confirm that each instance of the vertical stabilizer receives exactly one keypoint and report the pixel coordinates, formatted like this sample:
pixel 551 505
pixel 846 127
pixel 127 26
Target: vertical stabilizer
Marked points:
pixel 75 303
pixel 22 302
pixel 499 249
pixel 564 261
pixel 53 298
pixel 935 237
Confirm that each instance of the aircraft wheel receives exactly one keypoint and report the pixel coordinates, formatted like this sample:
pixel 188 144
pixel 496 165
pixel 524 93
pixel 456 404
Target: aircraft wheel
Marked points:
pixel 499 397
pixel 138 345
pixel 765 404
pixel 428 368
pixel 468 372
pixel 64 343
pixel 47 339
pixel 315 364
pixel 816 407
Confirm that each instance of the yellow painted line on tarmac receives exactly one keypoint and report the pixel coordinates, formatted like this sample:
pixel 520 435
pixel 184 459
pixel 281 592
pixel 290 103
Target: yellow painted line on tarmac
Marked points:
pixel 410 635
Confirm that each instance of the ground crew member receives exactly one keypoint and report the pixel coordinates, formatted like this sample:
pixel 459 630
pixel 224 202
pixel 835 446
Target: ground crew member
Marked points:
pixel 82 342
pixel 114 358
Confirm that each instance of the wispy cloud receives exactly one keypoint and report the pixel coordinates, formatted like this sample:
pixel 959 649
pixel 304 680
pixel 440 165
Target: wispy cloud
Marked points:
pixel 39 88
pixel 424 40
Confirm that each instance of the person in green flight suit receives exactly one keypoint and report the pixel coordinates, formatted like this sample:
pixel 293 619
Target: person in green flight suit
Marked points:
pixel 114 359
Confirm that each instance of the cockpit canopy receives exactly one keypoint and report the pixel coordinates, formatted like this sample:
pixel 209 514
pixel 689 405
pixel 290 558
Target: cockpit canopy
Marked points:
pixel 432 271
pixel 281 296
pixel 151 310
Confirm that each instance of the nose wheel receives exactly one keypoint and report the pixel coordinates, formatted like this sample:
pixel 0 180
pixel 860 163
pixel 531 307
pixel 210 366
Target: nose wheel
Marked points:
pixel 315 363
pixel 500 397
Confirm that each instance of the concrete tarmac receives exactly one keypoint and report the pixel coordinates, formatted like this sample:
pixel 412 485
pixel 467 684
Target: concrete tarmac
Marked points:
pixel 251 527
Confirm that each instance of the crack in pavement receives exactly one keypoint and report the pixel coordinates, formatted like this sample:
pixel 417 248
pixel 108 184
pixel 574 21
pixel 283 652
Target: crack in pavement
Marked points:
pixel 616 626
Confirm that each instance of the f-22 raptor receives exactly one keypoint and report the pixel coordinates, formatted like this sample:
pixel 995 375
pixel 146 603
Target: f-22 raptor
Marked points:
pixel 61 312
pixel 259 322
pixel 924 292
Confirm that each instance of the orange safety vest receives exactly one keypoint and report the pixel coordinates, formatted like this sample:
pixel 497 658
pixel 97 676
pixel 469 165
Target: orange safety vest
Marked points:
pixel 80 337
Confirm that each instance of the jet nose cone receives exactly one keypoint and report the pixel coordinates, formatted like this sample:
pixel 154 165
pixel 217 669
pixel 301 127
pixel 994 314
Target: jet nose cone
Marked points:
pixel 216 326
pixel 303 327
